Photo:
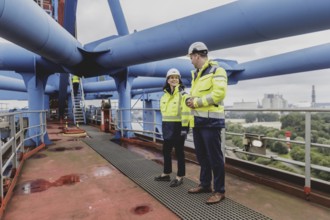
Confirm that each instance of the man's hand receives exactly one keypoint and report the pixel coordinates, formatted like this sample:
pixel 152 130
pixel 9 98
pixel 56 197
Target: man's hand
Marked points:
pixel 190 102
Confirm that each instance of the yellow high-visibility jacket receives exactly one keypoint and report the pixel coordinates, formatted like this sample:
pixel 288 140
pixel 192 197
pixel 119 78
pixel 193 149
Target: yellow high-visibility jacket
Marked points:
pixel 175 114
pixel 208 87
pixel 173 108
pixel 75 79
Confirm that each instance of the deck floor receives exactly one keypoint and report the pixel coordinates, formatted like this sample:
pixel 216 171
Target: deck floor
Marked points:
pixel 69 180
pixel 142 170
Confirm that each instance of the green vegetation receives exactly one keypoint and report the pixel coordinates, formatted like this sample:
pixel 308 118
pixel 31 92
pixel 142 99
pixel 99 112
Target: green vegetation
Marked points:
pixel 252 117
pixel 294 123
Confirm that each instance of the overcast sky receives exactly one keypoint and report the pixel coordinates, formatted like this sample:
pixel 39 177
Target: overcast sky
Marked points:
pixel 95 21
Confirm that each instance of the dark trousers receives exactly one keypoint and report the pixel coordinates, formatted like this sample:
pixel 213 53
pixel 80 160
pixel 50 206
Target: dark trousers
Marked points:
pixel 207 143
pixel 178 145
pixel 75 88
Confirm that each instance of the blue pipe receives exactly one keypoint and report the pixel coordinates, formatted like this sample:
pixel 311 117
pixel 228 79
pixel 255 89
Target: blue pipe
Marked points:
pixel 12 84
pixel 118 17
pixel 18 59
pixel 234 24
pixel 36 31
pixel 309 59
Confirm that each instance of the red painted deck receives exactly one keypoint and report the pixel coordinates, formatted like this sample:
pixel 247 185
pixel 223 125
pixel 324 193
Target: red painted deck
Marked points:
pixel 68 180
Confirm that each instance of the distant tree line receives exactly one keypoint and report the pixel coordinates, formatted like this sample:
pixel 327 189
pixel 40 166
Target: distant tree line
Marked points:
pixel 253 117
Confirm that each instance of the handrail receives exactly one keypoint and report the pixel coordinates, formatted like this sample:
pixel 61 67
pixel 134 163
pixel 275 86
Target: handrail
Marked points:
pixel 277 110
pixel 75 109
pixel 12 142
pixel 72 99
pixel 307 143
pixel 83 99
pixel 148 128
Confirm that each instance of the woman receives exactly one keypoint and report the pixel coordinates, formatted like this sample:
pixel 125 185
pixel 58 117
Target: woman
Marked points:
pixel 175 119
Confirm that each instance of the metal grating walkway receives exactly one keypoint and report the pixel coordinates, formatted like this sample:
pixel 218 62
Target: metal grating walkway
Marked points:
pixel 142 172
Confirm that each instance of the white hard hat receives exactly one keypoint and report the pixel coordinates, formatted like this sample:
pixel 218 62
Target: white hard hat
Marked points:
pixel 197 47
pixel 172 72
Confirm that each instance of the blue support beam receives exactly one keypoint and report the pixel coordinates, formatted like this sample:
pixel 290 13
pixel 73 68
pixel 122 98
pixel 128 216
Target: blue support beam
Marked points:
pixel 35 89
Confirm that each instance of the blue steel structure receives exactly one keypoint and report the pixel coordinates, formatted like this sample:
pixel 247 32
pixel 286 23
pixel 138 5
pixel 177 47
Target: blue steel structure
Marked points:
pixel 44 53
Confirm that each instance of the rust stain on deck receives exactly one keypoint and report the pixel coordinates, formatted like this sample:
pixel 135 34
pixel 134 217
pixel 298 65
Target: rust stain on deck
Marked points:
pixel 40 185
pixel 141 209
pixel 38 156
pixel 59 149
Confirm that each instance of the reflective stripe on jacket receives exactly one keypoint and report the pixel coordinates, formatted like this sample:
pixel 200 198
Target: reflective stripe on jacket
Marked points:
pixel 208 87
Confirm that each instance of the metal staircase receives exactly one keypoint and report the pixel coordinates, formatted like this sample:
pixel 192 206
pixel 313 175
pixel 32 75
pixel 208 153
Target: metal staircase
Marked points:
pixel 78 103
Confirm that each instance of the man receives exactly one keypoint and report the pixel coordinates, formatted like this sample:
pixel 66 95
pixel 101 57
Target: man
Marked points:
pixel 75 84
pixel 208 90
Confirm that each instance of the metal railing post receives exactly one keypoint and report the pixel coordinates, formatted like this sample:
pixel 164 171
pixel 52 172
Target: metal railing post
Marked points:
pixel 116 120
pixel 121 123
pixel 223 142
pixel 154 126
pixel 21 128
pixel 1 176
pixel 307 187
pixel 82 98
pixel 41 127
pixel 13 135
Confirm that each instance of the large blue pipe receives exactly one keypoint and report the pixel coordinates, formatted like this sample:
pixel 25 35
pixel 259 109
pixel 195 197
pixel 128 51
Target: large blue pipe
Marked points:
pixel 12 84
pixel 160 68
pixel 36 31
pixel 14 58
pixel 118 17
pixel 309 59
pixel 18 59
pixel 238 23
pixel 13 95
pixel 109 85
